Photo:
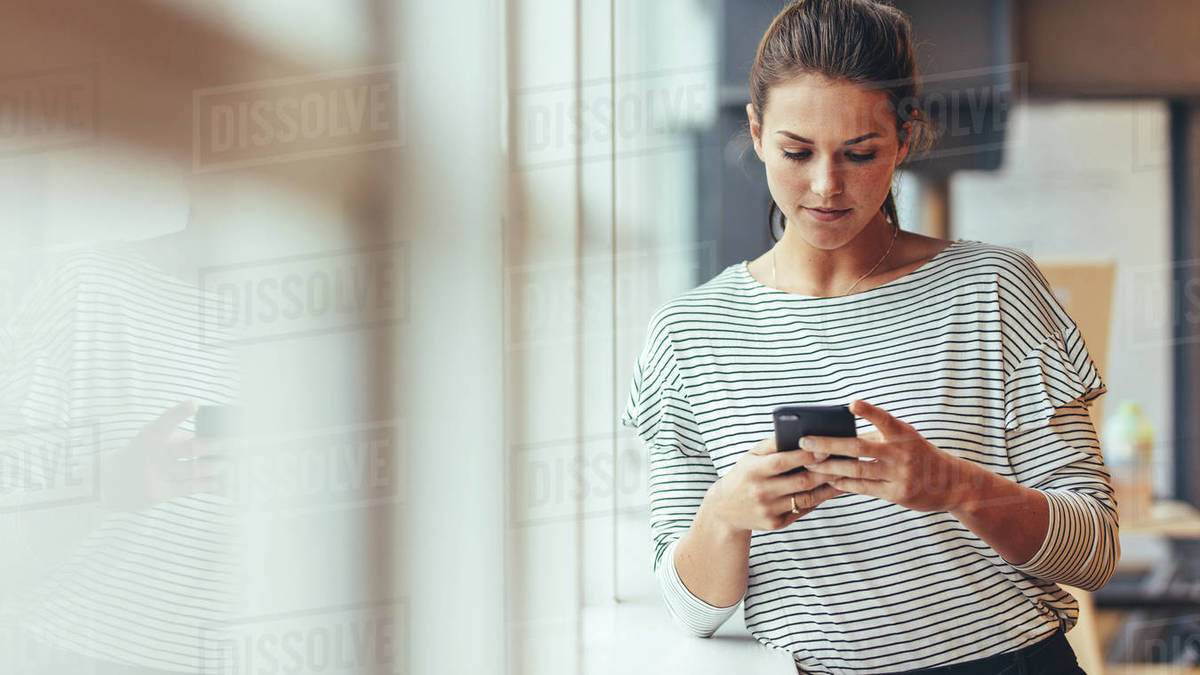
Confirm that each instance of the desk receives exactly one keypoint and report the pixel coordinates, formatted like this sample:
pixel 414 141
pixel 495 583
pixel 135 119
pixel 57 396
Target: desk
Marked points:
pixel 1149 669
pixel 1146 545
pixel 638 636
pixel 1156 580
pixel 1168 518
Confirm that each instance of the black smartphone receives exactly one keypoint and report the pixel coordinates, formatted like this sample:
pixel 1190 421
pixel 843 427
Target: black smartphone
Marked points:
pixel 219 421
pixel 795 421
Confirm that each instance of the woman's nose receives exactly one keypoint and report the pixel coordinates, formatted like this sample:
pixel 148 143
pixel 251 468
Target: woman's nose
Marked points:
pixel 826 180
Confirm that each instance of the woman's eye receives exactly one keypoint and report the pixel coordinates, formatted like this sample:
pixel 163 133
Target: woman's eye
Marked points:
pixel 852 156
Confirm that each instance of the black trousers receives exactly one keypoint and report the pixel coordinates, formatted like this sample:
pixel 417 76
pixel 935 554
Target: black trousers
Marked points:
pixel 1051 656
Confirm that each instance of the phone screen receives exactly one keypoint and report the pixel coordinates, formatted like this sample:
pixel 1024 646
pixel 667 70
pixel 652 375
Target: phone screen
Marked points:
pixel 219 421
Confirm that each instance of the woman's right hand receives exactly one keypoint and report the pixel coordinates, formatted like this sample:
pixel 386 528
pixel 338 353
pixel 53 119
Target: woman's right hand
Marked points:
pixel 162 463
pixel 755 495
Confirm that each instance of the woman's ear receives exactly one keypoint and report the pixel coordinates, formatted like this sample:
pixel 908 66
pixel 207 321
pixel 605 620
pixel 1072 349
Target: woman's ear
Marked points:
pixel 905 141
pixel 755 131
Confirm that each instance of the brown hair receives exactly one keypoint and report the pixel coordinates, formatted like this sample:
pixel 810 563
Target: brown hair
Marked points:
pixel 864 42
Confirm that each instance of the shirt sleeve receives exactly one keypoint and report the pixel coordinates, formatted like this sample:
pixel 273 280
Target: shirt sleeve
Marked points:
pixel 35 357
pixel 1046 361
pixel 681 471
pixel 1049 381
pixel 1081 546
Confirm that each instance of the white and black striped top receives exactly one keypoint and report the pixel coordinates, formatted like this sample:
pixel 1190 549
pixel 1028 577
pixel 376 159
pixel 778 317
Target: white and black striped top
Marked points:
pixel 972 349
pixel 102 345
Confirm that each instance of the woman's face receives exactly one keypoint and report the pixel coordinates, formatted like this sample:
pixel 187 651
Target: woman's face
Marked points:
pixel 830 149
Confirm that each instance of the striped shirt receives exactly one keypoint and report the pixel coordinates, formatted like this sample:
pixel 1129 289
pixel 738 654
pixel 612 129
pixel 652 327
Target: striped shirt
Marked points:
pixel 102 345
pixel 973 350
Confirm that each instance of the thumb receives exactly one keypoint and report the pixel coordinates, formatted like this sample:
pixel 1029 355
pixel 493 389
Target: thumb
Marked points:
pixel 169 420
pixel 884 422
pixel 764 447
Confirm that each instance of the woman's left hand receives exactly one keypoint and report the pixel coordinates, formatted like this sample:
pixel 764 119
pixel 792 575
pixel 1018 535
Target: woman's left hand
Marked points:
pixel 903 467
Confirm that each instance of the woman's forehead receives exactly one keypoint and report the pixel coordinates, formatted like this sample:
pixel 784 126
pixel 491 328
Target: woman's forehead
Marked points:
pixel 827 109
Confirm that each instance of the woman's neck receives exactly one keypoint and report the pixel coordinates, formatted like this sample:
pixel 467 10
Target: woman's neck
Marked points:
pixel 800 267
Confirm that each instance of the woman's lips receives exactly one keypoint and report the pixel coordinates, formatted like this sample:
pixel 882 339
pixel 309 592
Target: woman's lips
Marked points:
pixel 826 215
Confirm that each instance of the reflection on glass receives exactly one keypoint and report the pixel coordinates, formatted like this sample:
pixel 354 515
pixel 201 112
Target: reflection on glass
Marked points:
pixel 121 536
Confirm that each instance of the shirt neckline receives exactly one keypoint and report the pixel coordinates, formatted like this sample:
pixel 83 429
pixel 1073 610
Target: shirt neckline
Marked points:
pixel 744 270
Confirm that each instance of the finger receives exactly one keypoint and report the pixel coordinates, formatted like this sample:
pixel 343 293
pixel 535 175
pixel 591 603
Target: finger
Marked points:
pixel 190 449
pixel 799 482
pixel 823 446
pixel 862 486
pixel 823 478
pixel 827 492
pixel 778 463
pixel 179 436
pixel 808 500
pixel 764 447
pixel 790 517
pixel 185 460
pixel 851 468
pixel 175 489
pixel 165 424
pixel 887 425
pixel 212 485
pixel 197 468
pixel 211 448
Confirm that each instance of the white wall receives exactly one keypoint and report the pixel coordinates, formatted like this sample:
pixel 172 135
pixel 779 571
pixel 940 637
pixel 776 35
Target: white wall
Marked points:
pixel 1090 179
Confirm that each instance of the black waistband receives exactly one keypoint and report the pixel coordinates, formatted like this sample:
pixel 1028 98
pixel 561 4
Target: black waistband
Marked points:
pixel 1052 649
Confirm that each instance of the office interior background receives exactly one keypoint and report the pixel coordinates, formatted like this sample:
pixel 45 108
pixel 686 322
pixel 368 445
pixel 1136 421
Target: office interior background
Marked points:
pixel 401 257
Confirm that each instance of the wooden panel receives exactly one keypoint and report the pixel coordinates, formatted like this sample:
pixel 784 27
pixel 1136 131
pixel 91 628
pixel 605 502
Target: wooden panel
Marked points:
pixel 1110 47
pixel 1086 290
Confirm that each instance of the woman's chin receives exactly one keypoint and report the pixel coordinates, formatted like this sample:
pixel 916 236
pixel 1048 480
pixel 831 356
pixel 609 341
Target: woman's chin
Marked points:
pixel 828 236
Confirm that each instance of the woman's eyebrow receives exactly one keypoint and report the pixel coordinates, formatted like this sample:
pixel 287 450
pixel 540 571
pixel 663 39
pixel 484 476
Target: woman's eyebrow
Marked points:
pixel 852 141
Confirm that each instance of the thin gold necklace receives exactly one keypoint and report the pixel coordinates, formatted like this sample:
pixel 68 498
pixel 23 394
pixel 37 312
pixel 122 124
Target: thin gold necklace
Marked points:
pixel 895 231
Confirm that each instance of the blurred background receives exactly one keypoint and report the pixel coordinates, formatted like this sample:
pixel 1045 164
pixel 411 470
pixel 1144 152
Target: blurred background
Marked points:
pixel 318 317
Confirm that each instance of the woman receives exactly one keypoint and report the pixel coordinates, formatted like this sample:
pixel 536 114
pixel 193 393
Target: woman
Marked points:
pixel 976 484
